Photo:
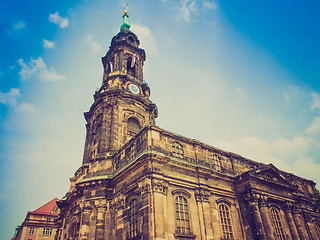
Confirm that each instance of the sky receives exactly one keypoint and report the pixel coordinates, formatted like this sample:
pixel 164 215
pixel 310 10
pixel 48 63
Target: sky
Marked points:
pixel 243 76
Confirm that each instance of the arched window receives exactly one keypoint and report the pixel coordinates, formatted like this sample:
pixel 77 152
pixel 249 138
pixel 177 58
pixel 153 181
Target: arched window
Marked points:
pixel 74 231
pixel 225 219
pixel 133 218
pixel 216 161
pixel 131 39
pixel 182 215
pixel 177 149
pixel 277 225
pixel 133 127
pixel 131 62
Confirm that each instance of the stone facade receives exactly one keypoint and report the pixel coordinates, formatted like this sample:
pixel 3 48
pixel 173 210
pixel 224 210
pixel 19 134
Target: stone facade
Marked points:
pixel 138 181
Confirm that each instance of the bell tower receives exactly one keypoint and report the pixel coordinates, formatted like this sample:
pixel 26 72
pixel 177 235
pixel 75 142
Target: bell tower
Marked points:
pixel 121 106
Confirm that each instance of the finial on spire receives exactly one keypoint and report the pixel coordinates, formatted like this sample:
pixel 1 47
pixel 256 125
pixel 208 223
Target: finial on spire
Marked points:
pixel 125 24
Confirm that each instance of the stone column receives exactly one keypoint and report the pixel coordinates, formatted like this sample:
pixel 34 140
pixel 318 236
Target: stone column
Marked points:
pixel 292 226
pixel 100 226
pixel 160 188
pixel 267 224
pixel 119 224
pixel 252 199
pixel 86 212
pixel 146 215
pixel 312 229
pixel 202 197
pixel 299 223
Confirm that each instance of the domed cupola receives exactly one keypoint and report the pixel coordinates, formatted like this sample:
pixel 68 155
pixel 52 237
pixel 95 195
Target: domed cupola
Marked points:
pixel 124 55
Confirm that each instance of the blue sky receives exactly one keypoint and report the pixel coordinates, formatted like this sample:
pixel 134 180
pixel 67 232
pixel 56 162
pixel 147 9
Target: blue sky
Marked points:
pixel 239 75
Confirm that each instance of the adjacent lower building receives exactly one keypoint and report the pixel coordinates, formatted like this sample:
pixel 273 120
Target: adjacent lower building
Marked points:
pixel 139 181
pixel 40 224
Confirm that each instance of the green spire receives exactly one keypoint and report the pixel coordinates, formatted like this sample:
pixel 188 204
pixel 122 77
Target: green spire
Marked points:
pixel 125 24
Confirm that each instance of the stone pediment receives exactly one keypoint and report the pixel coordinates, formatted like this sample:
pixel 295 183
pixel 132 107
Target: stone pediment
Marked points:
pixel 270 173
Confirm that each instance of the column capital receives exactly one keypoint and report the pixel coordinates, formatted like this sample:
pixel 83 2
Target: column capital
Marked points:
pixel 86 206
pixel 297 209
pixel 101 204
pixel 263 201
pixel 160 186
pixel 287 206
pixel 144 188
pixel 252 198
pixel 119 203
pixel 202 194
pixel 308 217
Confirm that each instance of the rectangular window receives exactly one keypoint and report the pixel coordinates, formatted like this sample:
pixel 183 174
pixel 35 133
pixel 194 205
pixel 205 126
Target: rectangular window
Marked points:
pixel 47 231
pixel 31 230
pixel 48 219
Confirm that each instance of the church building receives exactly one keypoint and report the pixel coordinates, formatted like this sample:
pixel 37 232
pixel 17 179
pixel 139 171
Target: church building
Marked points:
pixel 139 181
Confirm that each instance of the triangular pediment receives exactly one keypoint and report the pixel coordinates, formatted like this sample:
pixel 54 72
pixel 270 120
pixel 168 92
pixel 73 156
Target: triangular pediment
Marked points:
pixel 270 173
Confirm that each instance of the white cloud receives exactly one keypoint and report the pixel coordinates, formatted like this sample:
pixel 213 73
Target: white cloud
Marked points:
pixel 57 19
pixel 209 5
pixel 308 168
pixel 287 155
pixel 314 127
pixel 95 47
pixel 38 66
pixel 26 107
pixel 10 98
pixel 51 75
pixel 48 44
pixel 285 146
pixel 187 8
pixel 19 25
pixel 146 37
pixel 316 101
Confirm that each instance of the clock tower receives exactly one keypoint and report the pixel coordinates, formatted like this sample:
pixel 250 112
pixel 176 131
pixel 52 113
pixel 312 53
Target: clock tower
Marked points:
pixel 121 106
pixel 138 181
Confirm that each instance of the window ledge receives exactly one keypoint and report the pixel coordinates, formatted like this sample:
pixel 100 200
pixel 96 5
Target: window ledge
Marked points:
pixel 184 236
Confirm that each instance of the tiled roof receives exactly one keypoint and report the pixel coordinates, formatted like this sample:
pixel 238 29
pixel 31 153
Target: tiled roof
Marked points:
pixel 48 208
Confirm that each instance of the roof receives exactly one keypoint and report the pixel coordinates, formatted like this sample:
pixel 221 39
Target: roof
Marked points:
pixel 48 208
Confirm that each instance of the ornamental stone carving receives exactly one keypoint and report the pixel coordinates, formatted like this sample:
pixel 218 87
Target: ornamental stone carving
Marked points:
pixel 101 204
pixel 252 198
pixel 119 203
pixel 86 205
pixel 144 188
pixel 287 206
pixel 263 201
pixel 160 186
pixel 202 194
pixel 308 217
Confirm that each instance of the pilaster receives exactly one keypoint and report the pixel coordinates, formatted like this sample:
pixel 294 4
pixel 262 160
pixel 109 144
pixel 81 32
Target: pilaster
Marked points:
pixel 159 188
pixel 202 197
pixel 102 206
pixel 86 207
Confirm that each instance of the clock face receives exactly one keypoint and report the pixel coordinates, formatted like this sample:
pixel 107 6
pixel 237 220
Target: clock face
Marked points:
pixel 134 89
